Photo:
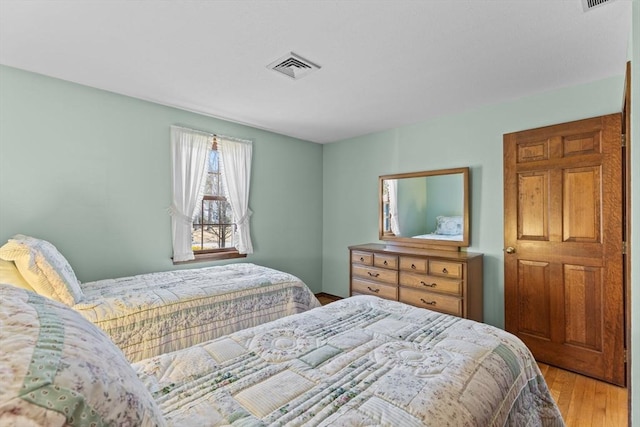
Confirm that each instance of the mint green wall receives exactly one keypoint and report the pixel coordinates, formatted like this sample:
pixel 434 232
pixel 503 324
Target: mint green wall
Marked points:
pixel 473 139
pixel 89 171
pixel 445 197
pixel 411 200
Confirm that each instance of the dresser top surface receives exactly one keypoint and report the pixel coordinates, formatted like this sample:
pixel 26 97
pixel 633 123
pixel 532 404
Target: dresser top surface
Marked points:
pixel 410 251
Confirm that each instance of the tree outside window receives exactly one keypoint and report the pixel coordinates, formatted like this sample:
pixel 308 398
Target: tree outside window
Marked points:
pixel 213 227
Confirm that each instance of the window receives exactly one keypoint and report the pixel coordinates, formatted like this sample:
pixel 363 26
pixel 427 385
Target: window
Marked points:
pixel 213 227
pixel 208 222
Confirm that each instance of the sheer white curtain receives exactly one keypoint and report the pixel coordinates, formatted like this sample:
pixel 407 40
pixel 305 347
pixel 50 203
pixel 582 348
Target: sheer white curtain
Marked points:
pixel 189 157
pixel 393 206
pixel 236 175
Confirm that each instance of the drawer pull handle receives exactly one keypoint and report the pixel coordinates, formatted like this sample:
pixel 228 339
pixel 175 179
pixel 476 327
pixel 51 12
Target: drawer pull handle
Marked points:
pixel 413 266
pixel 385 263
pixel 373 290
pixel 373 274
pixel 361 259
pixel 428 302
pixel 431 285
pixel 445 271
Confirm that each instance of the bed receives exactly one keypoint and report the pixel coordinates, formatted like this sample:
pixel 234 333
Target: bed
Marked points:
pixel 435 236
pixel 358 361
pixel 155 313
pixel 447 228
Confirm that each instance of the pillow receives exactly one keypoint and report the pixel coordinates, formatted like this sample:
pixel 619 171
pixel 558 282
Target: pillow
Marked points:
pixel 44 268
pixel 448 225
pixel 10 275
pixel 57 368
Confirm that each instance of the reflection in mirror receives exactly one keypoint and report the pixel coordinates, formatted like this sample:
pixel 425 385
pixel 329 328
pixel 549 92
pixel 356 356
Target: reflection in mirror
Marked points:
pixel 425 206
pixel 440 218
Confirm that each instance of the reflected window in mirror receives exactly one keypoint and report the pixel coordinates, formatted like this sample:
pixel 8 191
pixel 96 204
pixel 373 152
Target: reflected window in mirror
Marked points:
pixel 390 207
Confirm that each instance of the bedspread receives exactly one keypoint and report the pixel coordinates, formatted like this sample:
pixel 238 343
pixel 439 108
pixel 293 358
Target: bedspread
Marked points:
pixel 359 361
pixel 156 313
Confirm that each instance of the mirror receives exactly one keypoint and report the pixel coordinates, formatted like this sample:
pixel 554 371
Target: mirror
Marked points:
pixel 425 209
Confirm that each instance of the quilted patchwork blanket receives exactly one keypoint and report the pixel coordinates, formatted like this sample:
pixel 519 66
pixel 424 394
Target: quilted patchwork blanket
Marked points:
pixel 359 361
pixel 152 314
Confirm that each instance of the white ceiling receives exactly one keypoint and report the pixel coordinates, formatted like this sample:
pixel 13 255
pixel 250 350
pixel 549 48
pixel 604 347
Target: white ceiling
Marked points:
pixel 384 63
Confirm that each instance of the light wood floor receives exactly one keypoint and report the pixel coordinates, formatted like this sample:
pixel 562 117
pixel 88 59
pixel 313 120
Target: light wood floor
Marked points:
pixel 326 298
pixel 583 401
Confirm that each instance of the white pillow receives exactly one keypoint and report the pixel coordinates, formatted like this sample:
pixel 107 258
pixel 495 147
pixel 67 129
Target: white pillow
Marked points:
pixel 57 368
pixel 44 268
pixel 10 275
pixel 448 225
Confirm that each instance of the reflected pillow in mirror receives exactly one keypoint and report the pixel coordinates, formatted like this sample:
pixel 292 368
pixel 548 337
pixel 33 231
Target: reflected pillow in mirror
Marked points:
pixel 448 225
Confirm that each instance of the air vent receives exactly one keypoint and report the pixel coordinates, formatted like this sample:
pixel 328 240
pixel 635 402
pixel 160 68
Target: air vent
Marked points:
pixel 293 65
pixel 590 4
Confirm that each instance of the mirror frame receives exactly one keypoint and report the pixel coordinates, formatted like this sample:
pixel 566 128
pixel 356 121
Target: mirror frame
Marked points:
pixel 427 243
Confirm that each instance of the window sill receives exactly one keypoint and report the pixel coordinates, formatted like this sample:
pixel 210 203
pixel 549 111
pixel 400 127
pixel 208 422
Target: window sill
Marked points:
pixel 213 256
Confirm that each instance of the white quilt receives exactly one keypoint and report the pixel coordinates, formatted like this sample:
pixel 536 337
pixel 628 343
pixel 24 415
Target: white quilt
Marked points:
pixel 362 361
pixel 156 313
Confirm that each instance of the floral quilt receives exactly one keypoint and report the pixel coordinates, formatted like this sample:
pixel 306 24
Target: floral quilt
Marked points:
pixel 58 369
pixel 361 361
pixel 152 314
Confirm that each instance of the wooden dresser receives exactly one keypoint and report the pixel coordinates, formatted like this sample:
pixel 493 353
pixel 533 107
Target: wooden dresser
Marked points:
pixel 445 281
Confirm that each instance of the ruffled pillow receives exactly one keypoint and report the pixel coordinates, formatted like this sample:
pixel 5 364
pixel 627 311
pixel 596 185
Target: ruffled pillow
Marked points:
pixel 448 225
pixel 44 268
pixel 57 368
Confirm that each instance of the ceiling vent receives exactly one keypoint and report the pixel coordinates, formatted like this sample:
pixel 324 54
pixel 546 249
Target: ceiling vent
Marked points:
pixel 590 4
pixel 293 65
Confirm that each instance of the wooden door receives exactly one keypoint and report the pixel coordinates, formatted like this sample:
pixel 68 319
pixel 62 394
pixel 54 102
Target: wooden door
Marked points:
pixel 563 238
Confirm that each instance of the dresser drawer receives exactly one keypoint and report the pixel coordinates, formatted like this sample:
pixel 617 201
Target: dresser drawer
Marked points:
pixel 369 288
pixel 445 268
pixel 431 283
pixel 417 265
pixel 432 301
pixel 385 261
pixel 359 257
pixel 376 274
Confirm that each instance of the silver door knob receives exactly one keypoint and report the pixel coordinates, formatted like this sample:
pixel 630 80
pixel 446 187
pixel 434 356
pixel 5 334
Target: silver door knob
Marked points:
pixel 510 250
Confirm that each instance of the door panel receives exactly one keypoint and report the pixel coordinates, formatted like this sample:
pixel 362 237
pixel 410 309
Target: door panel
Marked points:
pixel 580 144
pixel 583 306
pixel 563 219
pixel 534 295
pixel 533 206
pixel 581 205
